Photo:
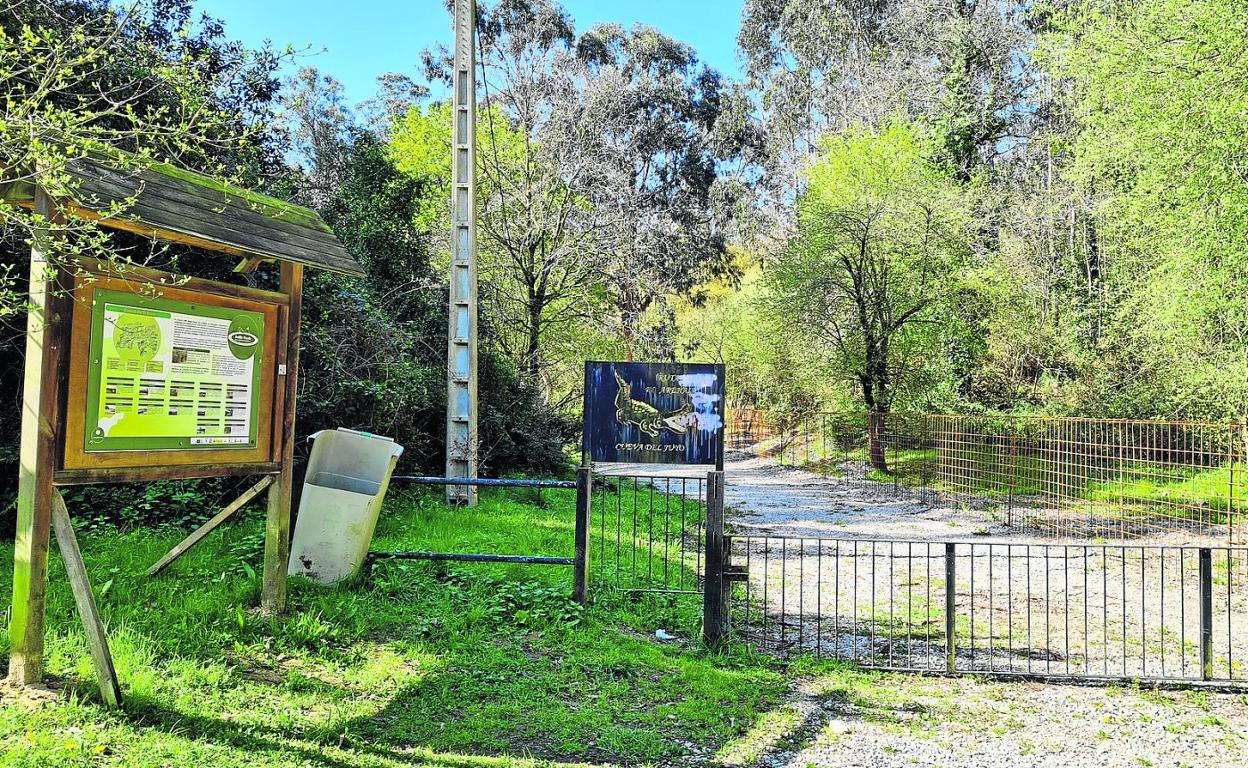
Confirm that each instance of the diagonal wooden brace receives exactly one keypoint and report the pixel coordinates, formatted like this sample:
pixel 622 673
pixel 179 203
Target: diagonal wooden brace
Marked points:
pixel 208 527
pixel 97 639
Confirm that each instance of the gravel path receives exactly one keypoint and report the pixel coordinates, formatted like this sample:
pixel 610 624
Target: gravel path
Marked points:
pixel 910 720
pixel 902 721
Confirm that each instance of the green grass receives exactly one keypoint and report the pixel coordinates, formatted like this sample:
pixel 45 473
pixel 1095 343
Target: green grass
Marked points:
pixel 419 664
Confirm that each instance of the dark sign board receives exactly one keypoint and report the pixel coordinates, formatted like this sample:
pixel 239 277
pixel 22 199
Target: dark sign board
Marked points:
pixel 654 413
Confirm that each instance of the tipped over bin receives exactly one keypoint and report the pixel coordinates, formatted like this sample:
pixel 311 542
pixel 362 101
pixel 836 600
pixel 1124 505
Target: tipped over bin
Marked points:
pixel 346 481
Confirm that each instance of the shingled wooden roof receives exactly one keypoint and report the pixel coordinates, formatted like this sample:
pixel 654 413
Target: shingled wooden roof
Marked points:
pixel 186 207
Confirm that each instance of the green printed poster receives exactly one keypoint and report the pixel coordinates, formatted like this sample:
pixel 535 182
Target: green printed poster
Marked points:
pixel 169 374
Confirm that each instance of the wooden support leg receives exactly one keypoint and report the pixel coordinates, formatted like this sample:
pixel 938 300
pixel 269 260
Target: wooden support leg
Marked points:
pixel 208 527
pixel 97 640
pixel 277 523
pixel 45 328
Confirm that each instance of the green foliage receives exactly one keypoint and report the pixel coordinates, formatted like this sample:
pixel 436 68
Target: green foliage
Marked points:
pixel 1160 90
pixel 880 249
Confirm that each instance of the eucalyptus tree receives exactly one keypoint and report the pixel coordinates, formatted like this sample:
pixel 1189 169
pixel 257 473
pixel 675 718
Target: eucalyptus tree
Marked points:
pixel 666 128
pixel 541 239
pixel 819 67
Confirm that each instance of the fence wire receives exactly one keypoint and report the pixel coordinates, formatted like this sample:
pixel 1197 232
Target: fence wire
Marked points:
pixel 1067 477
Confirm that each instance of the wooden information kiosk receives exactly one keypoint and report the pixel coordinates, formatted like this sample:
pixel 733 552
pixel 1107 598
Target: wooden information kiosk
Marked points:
pixel 134 375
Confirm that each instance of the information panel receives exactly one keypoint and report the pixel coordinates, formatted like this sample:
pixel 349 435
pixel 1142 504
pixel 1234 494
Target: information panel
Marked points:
pixel 654 413
pixel 169 374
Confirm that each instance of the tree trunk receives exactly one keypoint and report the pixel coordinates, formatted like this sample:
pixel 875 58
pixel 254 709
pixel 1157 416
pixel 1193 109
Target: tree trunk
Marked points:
pixel 876 446
pixel 875 397
pixel 533 347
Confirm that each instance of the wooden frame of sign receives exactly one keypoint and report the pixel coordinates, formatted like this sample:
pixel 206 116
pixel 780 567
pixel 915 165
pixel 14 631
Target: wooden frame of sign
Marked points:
pixel 81 464
pixel 69 303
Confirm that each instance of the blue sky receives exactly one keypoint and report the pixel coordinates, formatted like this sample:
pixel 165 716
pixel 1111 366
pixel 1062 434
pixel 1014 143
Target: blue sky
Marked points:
pixel 357 41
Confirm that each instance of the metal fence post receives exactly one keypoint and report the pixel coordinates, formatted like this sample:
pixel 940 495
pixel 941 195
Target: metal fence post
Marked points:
pixel 951 591
pixel 714 606
pixel 580 557
pixel 1206 614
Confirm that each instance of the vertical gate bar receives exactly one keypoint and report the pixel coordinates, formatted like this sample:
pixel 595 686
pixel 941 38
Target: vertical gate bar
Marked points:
pixel 667 515
pixel 1048 615
pixel 1143 618
pixel 892 621
pixel 1031 645
pixel 1162 551
pixel 909 601
pixel 766 606
pixel 684 554
pixel 874 603
pixel 1084 558
pixel 1122 551
pixel 1009 603
pixel 1183 611
pixel 784 588
pixel 633 544
pixel 580 570
pixel 801 592
pixel 971 610
pixel 836 599
pixel 1206 614
pixel 991 611
pixel 1104 612
pixel 619 521
pixel 854 623
pixel 749 546
pixel 1230 571
pixel 650 534
pixel 951 643
pixel 819 598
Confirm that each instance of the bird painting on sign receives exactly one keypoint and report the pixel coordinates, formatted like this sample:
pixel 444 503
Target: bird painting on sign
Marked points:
pixel 669 413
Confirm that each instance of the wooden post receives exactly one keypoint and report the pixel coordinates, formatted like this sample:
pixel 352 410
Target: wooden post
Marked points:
pixel 97 640
pixel 277 523
pixel 45 337
pixel 208 527
pixel 714 606
pixel 580 566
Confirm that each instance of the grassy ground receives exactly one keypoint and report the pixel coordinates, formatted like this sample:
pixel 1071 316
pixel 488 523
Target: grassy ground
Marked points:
pixel 422 663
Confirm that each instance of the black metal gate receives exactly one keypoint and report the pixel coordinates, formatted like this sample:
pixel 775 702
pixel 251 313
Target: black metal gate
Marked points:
pixel 1157 613
pixel 649 532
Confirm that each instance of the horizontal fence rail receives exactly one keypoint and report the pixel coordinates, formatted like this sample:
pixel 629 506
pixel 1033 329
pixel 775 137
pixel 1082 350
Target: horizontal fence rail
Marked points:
pixel 1068 477
pixel 1047 610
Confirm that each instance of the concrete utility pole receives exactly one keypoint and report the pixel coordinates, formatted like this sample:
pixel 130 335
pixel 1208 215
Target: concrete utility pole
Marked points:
pixel 461 386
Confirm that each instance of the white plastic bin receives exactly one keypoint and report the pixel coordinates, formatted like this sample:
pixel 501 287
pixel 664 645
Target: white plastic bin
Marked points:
pixel 347 476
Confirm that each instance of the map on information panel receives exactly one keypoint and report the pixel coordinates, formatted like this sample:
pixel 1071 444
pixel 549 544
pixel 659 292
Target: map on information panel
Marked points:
pixel 168 374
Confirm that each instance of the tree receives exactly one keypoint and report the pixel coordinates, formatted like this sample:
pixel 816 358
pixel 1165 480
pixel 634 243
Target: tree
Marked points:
pixel 962 66
pixel 667 127
pixel 1159 91
pixel 880 247
pixel 148 78
pixel 539 243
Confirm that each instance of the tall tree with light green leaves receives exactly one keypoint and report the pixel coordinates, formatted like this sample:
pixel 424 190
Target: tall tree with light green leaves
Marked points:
pixel 1160 91
pixel 881 245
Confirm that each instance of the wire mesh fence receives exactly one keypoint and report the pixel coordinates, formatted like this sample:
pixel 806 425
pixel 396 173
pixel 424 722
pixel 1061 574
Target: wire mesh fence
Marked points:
pixel 1068 477
pixel 1110 612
